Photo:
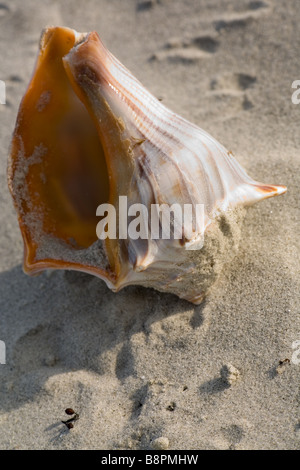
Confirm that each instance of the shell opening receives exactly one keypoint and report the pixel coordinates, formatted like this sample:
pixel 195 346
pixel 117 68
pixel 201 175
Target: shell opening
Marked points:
pixel 68 176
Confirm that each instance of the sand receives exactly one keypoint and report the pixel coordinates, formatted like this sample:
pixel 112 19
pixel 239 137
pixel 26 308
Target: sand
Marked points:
pixel 144 369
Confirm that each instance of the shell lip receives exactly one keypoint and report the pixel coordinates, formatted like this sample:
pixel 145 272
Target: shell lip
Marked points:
pixel 33 267
pixel 55 264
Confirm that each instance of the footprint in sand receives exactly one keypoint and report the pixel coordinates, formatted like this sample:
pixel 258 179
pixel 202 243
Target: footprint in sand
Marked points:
pixel 144 5
pixel 233 434
pixel 254 11
pixel 232 88
pixel 4 9
pixel 257 5
pixel 188 51
pixel 37 348
pixel 238 82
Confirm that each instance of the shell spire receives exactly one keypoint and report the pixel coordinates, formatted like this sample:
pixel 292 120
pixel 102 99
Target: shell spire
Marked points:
pixel 88 133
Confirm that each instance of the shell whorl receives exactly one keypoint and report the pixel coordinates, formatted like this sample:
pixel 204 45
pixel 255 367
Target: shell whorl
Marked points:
pixel 216 177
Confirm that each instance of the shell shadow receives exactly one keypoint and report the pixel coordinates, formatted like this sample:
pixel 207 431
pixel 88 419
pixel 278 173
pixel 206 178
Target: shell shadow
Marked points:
pixel 214 386
pixel 69 321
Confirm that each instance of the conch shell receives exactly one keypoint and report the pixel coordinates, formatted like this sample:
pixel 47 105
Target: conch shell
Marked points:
pixel 88 132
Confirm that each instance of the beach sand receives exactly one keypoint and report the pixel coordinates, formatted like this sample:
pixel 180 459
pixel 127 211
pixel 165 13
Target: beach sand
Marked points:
pixel 140 365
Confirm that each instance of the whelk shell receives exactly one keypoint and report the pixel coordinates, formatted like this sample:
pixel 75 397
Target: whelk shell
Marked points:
pixel 87 132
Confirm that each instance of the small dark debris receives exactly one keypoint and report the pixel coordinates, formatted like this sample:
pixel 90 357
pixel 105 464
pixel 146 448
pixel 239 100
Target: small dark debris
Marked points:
pixel 282 366
pixel 69 422
pixel 285 361
pixel 171 406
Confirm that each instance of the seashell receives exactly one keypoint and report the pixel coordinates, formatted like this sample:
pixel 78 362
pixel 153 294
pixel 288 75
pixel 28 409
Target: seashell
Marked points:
pixel 88 132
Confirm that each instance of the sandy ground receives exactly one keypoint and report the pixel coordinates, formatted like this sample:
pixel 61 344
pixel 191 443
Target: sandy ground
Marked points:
pixel 140 365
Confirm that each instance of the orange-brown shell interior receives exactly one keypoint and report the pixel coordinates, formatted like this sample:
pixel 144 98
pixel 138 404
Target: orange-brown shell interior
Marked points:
pixel 68 178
